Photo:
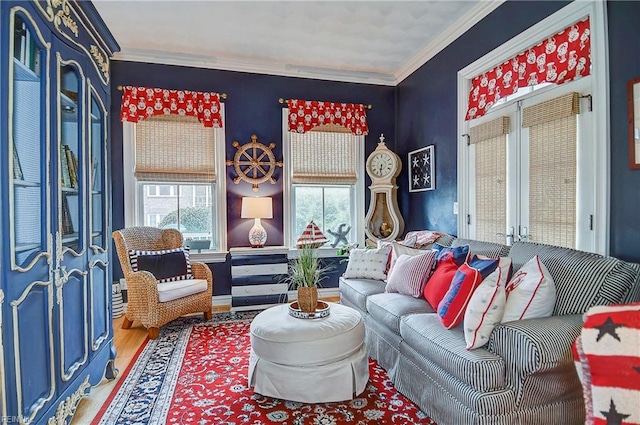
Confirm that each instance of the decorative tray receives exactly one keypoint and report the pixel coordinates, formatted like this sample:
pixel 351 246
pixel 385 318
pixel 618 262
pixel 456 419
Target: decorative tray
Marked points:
pixel 322 310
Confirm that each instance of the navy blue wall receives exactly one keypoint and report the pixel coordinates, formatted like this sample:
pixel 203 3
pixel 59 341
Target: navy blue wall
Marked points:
pixel 251 107
pixel 624 65
pixel 427 109
pixel 426 114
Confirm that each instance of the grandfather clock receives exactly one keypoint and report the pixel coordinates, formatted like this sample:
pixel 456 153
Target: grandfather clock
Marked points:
pixel 383 220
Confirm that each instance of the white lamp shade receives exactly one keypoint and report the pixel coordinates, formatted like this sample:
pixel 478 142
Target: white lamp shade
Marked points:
pixel 256 207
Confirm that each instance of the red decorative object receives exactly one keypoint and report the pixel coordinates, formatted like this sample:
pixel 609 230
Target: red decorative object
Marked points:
pixel 311 236
pixel 307 114
pixel 139 103
pixel 196 373
pixel 563 57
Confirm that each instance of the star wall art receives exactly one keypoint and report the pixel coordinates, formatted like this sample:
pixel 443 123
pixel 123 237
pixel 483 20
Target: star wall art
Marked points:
pixel 422 169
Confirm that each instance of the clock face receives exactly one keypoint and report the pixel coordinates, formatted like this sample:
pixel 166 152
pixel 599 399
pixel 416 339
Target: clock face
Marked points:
pixel 381 165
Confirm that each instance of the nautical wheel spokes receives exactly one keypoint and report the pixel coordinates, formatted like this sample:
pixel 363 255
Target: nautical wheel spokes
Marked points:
pixel 254 162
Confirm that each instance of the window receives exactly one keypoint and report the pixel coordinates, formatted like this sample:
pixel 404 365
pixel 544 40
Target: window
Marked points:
pixel 324 182
pixel 541 176
pixel 172 182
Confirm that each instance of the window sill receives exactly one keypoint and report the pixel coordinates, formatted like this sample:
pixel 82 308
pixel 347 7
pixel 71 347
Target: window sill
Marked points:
pixel 209 257
pixel 320 253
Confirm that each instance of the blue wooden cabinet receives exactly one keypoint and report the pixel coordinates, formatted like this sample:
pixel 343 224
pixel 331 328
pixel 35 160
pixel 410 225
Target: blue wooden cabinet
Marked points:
pixel 55 267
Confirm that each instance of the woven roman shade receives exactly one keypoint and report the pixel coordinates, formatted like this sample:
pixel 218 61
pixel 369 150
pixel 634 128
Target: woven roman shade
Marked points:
pixel 553 170
pixel 490 178
pixel 174 148
pixel 324 157
pixel 560 107
pixel 489 130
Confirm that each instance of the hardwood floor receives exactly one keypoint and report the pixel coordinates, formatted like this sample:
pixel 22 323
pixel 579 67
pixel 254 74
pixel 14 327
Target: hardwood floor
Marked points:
pixel 127 343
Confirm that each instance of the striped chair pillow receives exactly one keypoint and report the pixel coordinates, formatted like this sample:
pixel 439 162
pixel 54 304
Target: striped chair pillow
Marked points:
pixel 167 265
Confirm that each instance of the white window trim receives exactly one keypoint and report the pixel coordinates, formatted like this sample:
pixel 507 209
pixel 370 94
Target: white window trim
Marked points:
pixel 131 183
pixel 287 218
pixel 600 101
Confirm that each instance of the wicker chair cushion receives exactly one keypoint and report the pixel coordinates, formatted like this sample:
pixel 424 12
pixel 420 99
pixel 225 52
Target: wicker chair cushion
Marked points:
pixel 167 265
pixel 169 291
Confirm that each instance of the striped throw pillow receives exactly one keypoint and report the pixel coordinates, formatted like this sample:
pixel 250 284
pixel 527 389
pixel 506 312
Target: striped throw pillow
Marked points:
pixel 410 273
pixel 167 265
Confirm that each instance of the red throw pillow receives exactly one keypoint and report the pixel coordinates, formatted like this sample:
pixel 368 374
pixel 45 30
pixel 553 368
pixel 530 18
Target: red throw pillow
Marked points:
pixel 465 281
pixel 440 280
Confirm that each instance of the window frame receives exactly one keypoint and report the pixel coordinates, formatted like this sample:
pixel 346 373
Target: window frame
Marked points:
pixel 132 194
pixel 600 103
pixel 357 189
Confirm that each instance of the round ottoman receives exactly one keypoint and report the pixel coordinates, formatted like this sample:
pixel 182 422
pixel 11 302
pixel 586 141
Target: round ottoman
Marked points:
pixel 308 360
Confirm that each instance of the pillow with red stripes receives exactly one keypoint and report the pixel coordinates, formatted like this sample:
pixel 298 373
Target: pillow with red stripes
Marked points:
pixel 486 306
pixel 410 273
pixel 466 279
pixel 531 293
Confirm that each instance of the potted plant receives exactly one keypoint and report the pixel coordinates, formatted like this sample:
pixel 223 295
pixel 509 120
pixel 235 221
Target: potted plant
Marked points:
pixel 305 274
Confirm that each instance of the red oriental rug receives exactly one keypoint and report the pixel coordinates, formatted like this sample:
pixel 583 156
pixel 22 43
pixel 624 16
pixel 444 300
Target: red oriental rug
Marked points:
pixel 196 373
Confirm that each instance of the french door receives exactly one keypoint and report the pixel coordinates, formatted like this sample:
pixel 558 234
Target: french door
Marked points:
pixel 530 169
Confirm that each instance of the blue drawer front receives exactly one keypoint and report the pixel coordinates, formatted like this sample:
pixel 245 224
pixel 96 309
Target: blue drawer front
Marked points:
pixel 250 260
pixel 267 279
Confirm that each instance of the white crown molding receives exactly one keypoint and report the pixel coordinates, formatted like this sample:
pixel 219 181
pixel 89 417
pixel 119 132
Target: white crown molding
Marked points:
pixel 462 25
pixel 257 67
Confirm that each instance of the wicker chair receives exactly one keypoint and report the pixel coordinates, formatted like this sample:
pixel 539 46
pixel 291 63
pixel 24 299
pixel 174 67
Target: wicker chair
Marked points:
pixel 142 289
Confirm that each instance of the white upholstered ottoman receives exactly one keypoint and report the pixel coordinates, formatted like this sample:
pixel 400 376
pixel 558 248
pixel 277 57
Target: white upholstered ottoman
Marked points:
pixel 308 360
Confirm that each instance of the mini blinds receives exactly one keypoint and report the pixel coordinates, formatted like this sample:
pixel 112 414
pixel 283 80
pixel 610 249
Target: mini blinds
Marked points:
pixel 490 141
pixel 322 157
pixel 553 169
pixel 174 148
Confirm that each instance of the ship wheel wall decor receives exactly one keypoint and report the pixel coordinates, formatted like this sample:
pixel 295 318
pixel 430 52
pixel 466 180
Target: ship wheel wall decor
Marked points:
pixel 254 162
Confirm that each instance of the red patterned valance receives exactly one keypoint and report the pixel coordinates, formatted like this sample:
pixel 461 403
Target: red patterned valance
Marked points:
pixel 562 57
pixel 307 114
pixel 139 103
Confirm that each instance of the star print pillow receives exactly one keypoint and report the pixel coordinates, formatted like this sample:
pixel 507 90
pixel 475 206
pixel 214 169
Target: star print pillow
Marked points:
pixel 531 293
pixel 608 364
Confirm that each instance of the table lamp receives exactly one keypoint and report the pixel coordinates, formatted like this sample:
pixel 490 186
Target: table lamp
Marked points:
pixel 257 208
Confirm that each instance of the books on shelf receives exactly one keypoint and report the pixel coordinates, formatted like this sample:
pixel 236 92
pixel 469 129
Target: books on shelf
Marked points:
pixel 68 167
pixel 67 224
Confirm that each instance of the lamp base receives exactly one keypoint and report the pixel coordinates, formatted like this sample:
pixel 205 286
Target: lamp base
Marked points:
pixel 257 235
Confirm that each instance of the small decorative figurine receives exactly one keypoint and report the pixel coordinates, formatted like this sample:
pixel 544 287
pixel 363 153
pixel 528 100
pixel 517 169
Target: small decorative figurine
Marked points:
pixel 340 235
pixel 385 229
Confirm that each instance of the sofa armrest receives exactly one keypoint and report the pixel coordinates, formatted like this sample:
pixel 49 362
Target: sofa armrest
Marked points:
pixel 538 360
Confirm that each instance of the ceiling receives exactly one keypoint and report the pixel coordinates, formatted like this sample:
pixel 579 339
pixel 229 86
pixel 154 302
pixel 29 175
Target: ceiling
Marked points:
pixel 377 42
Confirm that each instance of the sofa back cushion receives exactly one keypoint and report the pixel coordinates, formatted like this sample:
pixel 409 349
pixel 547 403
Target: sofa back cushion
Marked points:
pixel 582 279
pixel 487 249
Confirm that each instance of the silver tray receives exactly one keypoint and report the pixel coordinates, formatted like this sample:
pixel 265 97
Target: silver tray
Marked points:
pixel 322 310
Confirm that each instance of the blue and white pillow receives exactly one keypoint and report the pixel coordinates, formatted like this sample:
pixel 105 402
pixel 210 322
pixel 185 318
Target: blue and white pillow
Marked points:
pixel 368 263
pixel 167 265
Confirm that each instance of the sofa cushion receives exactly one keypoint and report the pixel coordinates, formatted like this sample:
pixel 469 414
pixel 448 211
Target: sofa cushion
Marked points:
pixel 488 249
pixel 478 368
pixel 389 308
pixel 357 290
pixel 582 279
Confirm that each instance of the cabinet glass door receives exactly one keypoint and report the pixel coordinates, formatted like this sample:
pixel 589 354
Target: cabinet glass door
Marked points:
pixel 70 167
pixel 28 144
pixel 97 163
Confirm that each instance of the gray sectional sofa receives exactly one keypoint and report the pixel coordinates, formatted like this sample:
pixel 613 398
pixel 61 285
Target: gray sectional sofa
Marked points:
pixel 525 374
